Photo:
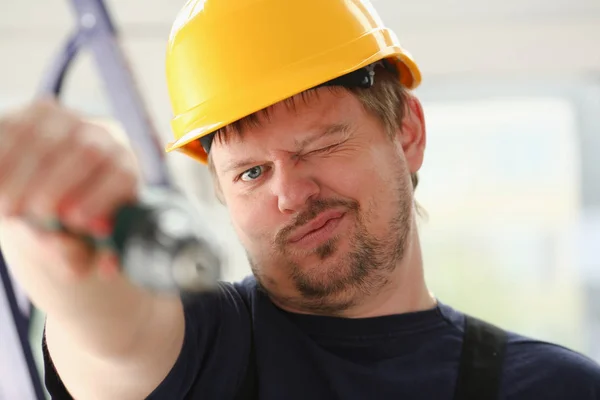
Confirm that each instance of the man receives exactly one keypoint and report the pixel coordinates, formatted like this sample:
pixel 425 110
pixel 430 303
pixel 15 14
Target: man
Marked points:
pixel 302 110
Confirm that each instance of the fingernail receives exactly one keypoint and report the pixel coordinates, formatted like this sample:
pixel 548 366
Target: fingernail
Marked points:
pixel 64 207
pixel 100 227
pixel 108 266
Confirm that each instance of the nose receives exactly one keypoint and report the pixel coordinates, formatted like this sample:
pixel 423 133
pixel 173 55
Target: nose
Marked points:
pixel 293 189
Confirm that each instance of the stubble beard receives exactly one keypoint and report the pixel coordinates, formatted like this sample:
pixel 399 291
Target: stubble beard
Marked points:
pixel 330 288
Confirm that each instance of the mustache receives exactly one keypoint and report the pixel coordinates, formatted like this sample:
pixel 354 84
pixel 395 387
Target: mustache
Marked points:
pixel 314 208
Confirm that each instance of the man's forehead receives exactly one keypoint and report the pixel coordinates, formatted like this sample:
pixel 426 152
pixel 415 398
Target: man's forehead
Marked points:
pixel 304 108
pixel 309 107
pixel 291 125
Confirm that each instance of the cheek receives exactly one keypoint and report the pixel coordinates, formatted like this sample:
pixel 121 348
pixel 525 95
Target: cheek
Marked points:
pixel 375 181
pixel 357 180
pixel 252 223
pixel 344 175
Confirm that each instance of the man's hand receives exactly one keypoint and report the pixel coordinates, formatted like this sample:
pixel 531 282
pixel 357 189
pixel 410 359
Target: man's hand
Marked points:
pixel 54 165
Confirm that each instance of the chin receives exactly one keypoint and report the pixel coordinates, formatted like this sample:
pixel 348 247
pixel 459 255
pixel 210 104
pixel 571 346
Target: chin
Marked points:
pixel 324 274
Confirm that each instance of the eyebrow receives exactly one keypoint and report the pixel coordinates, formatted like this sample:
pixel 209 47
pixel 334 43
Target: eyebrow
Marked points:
pixel 327 130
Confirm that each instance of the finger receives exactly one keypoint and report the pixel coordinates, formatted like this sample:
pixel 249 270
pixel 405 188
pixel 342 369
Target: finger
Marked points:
pixel 17 128
pixel 30 174
pixel 107 264
pixel 15 185
pixel 64 175
pixel 112 187
pixel 11 129
pixel 47 129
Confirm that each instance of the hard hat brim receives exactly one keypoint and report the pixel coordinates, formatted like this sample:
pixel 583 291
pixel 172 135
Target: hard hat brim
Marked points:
pixel 295 79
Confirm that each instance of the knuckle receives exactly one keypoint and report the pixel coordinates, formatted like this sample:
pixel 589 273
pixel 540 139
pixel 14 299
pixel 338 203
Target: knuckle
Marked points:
pixel 107 138
pixel 71 121
pixel 6 122
pixel 123 164
pixel 119 168
pixel 127 164
pixel 91 151
pixel 38 111
pixel 52 118
pixel 131 182
pixel 90 139
pixel 44 105
pixel 43 204
pixel 127 182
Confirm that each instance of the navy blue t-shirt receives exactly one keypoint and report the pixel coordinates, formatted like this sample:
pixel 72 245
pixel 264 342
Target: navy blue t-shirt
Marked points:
pixel 300 357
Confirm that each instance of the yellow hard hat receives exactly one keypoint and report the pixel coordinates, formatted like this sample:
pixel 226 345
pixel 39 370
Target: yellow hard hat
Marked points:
pixel 227 59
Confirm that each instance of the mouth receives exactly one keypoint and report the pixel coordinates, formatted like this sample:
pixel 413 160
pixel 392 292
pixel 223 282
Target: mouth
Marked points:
pixel 320 228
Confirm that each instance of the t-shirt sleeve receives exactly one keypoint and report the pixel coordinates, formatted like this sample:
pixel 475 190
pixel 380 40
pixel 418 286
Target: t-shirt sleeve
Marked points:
pixel 214 355
pixel 54 384
pixel 541 370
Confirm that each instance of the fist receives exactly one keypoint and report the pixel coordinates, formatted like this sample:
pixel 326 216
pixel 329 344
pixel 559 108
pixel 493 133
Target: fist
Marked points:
pixel 55 165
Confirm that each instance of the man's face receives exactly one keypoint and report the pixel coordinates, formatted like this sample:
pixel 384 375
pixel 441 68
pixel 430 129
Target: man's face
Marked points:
pixel 321 199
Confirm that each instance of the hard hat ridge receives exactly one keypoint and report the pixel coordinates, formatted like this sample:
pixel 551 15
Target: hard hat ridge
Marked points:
pixel 228 59
pixel 362 78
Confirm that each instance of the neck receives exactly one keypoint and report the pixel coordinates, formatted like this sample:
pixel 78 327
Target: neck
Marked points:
pixel 405 291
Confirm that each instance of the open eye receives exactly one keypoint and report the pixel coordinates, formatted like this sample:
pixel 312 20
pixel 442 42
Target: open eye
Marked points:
pixel 252 174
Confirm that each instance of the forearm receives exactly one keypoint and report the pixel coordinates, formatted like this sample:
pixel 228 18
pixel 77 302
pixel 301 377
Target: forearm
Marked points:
pixel 104 318
pixel 101 315
pixel 113 355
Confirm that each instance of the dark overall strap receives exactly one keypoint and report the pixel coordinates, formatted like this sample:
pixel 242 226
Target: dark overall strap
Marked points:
pixel 249 388
pixel 481 361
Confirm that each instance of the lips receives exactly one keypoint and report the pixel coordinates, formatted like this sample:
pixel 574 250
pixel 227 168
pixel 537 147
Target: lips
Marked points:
pixel 315 224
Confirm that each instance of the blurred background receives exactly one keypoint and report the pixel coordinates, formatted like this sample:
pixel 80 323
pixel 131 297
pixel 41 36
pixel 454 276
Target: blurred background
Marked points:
pixel 511 181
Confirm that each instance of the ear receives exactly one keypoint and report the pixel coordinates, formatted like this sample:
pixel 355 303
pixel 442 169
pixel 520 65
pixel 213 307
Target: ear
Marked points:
pixel 412 134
